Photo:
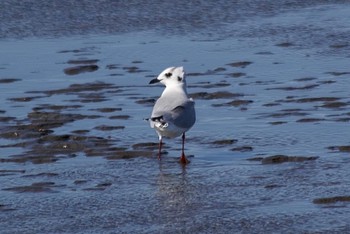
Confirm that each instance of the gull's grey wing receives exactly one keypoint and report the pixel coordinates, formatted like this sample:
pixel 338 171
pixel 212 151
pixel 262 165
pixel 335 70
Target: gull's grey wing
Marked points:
pixel 182 115
pixel 166 104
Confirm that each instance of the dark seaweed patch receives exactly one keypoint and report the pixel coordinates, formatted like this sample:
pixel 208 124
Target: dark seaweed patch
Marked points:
pixel 326 82
pixel 272 104
pixel 56 107
pixel 317 99
pixel 286 113
pixel 215 95
pixel 133 69
pixel 220 69
pixel 275 159
pixel 79 88
pixel 99 187
pixel 224 142
pixel 235 103
pixel 310 120
pixel 245 148
pixel 339 45
pixel 42 174
pixel 83 61
pixel 24 99
pixel 108 128
pixel 80 181
pixel 103 149
pixel 49 120
pixel 209 85
pixel 236 74
pixel 305 79
pixel 146 101
pixel 107 109
pixel 5 208
pixel 42 146
pixel 285 44
pixel 10 172
pixel 37 159
pixel 334 105
pixel 207 73
pixel 75 51
pixel 34 188
pixel 80 132
pixel 6 118
pixel 123 117
pixel 241 64
pixel 329 200
pixel 265 53
pixel 80 69
pixel 129 154
pixel 340 148
pixel 272 186
pixel 338 73
pixel 291 88
pixel 112 66
pixel 8 80
pixel 196 74
pixel 90 98
pixel 278 122
pixel 342 119
pixel 255 159
pixel 146 146
pixel 40 124
pixel 136 61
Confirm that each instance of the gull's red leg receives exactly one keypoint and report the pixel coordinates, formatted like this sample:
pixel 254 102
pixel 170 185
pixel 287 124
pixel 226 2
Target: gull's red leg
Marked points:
pixel 183 159
pixel 160 148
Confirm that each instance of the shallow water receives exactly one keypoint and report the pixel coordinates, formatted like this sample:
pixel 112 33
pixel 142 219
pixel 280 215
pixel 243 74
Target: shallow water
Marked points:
pixel 77 156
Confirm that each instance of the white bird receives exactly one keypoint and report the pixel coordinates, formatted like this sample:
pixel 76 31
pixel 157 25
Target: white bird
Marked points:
pixel 173 113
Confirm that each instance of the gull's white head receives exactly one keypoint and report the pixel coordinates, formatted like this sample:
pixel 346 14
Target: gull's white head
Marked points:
pixel 171 76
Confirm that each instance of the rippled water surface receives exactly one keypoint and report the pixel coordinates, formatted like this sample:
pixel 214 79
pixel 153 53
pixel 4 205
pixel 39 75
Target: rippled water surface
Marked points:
pixel 269 151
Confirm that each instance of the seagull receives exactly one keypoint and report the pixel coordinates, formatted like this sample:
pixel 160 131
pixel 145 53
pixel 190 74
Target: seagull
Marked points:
pixel 173 113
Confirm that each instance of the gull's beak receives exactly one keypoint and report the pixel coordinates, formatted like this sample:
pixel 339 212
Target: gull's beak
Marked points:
pixel 154 81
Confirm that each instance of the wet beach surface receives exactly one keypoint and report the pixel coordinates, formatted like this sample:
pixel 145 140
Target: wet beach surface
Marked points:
pixel 269 151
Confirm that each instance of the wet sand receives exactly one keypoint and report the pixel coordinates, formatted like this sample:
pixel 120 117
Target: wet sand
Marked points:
pixel 269 152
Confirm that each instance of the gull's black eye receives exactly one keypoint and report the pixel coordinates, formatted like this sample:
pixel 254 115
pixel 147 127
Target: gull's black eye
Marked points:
pixel 167 75
pixel 179 78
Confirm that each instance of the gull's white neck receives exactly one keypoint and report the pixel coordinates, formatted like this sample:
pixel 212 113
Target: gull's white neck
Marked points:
pixel 178 89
